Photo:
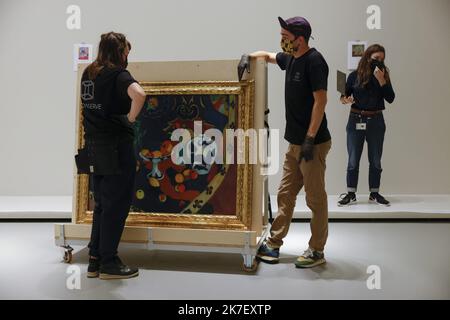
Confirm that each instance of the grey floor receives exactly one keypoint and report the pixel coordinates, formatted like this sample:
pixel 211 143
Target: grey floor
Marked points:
pixel 414 260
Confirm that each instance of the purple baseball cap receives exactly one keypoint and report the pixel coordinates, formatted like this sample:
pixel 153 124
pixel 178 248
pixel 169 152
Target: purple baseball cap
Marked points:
pixel 299 26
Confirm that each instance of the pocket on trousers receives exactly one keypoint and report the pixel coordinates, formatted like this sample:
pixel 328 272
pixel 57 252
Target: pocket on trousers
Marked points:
pixel 98 157
pixel 378 124
pixel 82 161
pixel 105 158
pixel 293 151
pixel 351 123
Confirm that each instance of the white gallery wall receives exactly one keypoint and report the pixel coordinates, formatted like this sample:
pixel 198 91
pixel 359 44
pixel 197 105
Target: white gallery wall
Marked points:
pixel 37 82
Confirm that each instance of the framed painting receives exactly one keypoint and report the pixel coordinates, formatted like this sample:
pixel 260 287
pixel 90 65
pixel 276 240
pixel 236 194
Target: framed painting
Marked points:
pixel 189 194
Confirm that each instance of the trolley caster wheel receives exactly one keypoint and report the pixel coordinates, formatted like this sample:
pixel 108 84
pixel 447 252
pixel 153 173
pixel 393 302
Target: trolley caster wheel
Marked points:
pixel 67 254
pixel 252 268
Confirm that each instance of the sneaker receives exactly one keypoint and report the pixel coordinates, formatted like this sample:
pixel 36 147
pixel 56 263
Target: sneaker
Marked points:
pixel 268 254
pixel 346 199
pixel 375 197
pixel 310 258
pixel 93 268
pixel 117 270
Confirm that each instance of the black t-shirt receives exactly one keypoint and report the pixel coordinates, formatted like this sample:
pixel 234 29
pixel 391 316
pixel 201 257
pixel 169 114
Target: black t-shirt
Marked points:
pixel 304 75
pixel 105 104
pixel 371 96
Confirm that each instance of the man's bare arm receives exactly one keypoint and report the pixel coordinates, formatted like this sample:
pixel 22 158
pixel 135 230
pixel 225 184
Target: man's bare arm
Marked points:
pixel 269 56
pixel 320 101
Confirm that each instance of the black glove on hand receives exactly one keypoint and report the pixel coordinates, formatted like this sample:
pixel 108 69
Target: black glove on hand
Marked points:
pixel 243 65
pixel 307 149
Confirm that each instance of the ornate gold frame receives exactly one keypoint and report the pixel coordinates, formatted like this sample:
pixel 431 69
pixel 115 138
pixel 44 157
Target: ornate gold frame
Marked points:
pixel 242 221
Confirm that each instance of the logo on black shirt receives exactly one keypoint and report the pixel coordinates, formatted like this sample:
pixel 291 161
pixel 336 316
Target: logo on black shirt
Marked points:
pixel 87 90
pixel 297 77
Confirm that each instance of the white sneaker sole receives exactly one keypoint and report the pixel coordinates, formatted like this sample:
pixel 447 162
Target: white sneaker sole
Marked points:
pixel 352 202
pixel 92 274
pixel 106 276
pixel 266 259
pixel 380 204
pixel 315 264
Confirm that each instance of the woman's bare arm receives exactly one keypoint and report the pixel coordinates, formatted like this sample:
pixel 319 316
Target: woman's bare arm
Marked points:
pixel 137 96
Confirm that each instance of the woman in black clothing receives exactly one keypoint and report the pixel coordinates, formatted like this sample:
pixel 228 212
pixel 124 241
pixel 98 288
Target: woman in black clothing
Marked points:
pixel 366 90
pixel 111 100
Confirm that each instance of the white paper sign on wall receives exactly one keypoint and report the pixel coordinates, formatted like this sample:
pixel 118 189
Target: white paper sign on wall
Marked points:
pixel 82 53
pixel 355 50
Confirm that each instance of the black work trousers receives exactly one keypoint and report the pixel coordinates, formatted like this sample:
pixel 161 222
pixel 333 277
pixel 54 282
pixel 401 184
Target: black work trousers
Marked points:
pixel 113 195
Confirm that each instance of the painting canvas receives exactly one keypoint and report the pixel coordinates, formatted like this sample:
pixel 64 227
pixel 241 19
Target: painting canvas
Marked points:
pixel 358 50
pixel 191 193
pixel 187 188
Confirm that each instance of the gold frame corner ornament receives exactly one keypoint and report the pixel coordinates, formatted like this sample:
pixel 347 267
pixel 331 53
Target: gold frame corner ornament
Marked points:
pixel 243 219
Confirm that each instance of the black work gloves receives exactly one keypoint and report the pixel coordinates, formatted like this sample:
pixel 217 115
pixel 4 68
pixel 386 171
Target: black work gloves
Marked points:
pixel 243 65
pixel 307 149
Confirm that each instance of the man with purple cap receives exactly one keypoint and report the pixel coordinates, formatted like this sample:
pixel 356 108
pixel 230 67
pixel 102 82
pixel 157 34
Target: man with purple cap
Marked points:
pixel 308 137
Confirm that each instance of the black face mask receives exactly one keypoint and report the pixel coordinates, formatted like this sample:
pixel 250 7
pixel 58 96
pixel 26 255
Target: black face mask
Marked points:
pixel 375 63
pixel 125 64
